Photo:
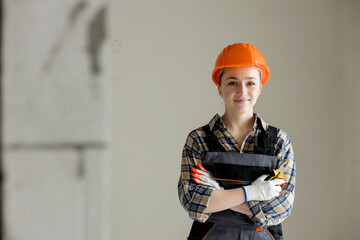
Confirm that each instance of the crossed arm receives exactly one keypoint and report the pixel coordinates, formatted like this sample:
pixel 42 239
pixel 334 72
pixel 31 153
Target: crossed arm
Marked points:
pixel 224 199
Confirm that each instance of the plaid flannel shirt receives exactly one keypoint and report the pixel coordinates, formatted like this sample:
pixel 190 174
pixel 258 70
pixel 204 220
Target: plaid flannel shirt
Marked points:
pixel 195 198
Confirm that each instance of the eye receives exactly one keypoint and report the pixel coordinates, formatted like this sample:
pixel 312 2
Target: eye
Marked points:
pixel 251 83
pixel 232 83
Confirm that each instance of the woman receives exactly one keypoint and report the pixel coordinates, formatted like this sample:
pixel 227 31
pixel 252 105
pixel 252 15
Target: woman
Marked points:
pixel 226 164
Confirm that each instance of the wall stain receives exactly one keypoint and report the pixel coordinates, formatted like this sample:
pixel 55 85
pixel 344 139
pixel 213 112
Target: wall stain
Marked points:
pixel 76 11
pixel 96 37
pixel 74 15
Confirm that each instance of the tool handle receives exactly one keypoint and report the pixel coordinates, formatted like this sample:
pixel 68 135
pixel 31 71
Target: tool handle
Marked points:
pixel 273 175
pixel 269 177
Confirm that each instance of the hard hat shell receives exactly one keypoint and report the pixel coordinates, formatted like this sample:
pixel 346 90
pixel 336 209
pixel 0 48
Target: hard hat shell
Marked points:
pixel 238 55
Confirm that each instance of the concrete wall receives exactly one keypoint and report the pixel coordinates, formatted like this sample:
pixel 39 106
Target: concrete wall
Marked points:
pixel 56 120
pixel 163 54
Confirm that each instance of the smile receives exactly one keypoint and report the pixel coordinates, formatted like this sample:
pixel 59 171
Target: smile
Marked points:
pixel 241 100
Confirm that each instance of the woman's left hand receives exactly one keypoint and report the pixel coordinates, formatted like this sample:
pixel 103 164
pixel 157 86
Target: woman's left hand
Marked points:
pixel 203 177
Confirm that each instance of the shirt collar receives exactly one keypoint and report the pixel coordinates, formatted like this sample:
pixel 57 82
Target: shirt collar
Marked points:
pixel 217 122
pixel 259 121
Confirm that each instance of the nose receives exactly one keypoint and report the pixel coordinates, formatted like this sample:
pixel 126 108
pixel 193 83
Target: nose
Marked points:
pixel 241 89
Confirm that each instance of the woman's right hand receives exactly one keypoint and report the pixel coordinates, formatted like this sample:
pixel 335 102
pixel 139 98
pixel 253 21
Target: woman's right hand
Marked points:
pixel 261 190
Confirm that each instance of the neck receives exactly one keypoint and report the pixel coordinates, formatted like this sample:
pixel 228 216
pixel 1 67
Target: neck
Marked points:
pixel 238 122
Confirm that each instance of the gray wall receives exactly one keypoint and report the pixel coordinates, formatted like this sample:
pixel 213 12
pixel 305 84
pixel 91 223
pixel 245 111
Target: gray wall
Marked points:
pixel 162 56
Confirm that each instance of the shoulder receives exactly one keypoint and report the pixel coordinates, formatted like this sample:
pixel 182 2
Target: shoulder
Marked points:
pixel 199 133
pixel 281 135
pixel 195 140
pixel 283 143
pixel 283 146
pixel 283 140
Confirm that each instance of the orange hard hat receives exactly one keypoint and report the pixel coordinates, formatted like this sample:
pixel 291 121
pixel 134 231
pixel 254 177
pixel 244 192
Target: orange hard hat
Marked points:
pixel 238 55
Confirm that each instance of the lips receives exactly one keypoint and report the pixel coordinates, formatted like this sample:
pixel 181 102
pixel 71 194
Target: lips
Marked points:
pixel 241 100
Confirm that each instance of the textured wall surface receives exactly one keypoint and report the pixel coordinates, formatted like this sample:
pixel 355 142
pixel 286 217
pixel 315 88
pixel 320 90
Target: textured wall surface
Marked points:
pixel 56 120
pixel 164 52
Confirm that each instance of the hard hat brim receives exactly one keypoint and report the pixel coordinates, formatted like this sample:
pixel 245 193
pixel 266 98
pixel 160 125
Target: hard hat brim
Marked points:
pixel 265 73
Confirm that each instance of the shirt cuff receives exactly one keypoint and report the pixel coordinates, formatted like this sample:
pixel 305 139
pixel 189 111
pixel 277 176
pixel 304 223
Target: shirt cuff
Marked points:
pixel 203 201
pixel 258 217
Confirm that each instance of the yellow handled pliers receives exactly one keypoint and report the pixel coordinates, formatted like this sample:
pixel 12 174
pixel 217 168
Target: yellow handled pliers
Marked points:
pixel 278 173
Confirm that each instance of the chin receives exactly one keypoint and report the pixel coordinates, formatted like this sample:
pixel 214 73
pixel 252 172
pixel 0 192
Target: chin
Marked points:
pixel 242 111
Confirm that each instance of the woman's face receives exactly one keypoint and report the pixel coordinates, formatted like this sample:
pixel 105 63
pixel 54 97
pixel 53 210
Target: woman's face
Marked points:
pixel 240 87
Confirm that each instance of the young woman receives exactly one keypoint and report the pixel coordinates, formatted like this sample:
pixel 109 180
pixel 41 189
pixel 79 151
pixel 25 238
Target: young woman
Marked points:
pixel 237 172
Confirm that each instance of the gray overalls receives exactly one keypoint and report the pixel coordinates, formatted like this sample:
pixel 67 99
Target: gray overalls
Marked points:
pixel 234 170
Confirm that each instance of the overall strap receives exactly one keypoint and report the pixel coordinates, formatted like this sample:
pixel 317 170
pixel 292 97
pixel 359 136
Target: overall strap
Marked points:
pixel 270 140
pixel 211 140
pixel 265 142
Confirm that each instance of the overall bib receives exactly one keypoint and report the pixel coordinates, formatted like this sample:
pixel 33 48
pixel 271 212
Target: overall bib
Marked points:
pixel 233 170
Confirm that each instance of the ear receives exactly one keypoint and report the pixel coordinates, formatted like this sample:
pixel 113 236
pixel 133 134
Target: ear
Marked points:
pixel 220 93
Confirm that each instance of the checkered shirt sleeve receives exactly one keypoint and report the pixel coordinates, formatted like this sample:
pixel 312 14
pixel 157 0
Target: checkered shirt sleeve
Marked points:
pixel 193 197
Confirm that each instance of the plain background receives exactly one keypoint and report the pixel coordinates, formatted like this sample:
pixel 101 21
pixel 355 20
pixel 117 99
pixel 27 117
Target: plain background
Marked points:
pixel 163 53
